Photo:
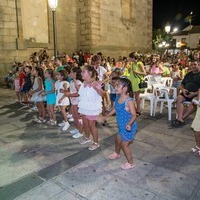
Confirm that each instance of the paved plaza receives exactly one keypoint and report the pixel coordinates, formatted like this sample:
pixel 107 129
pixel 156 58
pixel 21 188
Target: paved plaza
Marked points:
pixel 40 162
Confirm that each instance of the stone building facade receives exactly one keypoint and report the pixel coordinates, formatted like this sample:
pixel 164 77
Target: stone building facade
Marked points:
pixel 114 27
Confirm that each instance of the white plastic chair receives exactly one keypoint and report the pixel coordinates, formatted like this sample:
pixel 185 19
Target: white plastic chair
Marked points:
pixel 165 95
pixel 149 96
pixel 167 81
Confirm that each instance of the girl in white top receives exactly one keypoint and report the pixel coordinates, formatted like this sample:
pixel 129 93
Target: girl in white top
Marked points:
pixel 62 86
pixel 90 104
pixel 74 86
pixel 38 87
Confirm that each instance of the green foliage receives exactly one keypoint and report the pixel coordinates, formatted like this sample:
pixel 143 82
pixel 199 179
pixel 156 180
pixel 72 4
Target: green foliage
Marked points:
pixel 159 36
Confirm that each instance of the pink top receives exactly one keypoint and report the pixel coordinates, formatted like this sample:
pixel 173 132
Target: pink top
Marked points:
pixel 17 85
pixel 155 69
pixel 73 90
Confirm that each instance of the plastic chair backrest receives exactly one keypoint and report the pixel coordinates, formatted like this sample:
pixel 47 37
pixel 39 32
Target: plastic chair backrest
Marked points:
pixel 167 81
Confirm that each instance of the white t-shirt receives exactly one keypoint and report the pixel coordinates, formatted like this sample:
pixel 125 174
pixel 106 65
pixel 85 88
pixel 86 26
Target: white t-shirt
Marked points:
pixel 101 71
pixel 73 90
pixel 58 86
pixel 90 102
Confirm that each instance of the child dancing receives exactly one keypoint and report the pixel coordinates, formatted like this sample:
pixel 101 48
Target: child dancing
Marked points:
pixel 126 120
pixel 74 86
pixel 90 105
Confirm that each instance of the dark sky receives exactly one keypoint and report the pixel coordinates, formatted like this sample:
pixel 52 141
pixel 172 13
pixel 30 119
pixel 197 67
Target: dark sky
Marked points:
pixel 175 12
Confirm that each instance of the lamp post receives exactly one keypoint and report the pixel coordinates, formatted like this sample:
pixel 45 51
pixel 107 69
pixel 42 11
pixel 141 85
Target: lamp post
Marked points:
pixel 167 30
pixel 53 5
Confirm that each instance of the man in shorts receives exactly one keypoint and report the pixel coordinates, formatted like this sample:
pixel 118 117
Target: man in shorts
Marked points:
pixel 189 87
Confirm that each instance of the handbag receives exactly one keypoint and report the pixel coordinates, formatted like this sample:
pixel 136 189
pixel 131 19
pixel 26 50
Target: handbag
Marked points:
pixel 143 83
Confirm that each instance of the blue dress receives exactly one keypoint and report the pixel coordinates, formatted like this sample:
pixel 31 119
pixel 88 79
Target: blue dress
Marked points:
pixel 123 117
pixel 51 98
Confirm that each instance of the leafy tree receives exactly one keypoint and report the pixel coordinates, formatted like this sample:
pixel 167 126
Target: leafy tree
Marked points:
pixel 159 35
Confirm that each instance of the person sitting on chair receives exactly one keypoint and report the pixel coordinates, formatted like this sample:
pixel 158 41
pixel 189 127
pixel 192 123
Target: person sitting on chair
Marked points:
pixel 189 89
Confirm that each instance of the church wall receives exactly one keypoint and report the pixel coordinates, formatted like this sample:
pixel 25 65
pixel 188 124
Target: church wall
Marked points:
pixel 114 27
pixel 116 35
pixel 14 46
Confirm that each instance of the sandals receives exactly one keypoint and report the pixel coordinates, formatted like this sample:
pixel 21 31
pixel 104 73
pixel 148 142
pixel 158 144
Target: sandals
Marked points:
pixel 94 146
pixel 177 123
pixel 114 156
pixel 127 165
pixel 85 141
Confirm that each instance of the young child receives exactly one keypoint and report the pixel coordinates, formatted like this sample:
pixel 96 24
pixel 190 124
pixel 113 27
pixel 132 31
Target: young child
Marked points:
pixel 75 84
pixel 17 87
pixel 114 77
pixel 36 94
pixel 50 96
pixel 196 125
pixel 27 84
pixel 62 86
pixel 126 116
pixel 90 104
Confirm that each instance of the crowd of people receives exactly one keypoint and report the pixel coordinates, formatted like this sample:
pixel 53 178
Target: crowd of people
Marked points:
pixel 87 85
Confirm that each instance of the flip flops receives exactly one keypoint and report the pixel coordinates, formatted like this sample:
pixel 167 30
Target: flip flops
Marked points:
pixel 94 146
pixel 114 156
pixel 177 123
pixel 127 165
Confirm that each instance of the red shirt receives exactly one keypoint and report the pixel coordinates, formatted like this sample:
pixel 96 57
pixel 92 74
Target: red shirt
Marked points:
pixel 21 78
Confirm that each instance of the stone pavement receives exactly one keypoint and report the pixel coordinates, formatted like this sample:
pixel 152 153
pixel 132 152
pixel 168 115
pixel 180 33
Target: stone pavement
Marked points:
pixel 40 162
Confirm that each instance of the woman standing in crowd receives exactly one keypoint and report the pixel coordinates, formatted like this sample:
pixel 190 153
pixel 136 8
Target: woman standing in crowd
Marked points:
pixel 137 72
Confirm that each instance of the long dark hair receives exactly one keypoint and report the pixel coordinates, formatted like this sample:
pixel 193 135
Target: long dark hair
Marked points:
pixel 50 72
pixel 78 71
pixel 40 72
pixel 64 74
pixel 127 83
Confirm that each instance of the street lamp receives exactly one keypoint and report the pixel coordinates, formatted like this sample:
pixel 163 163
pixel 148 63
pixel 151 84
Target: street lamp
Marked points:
pixel 175 29
pixel 53 5
pixel 167 30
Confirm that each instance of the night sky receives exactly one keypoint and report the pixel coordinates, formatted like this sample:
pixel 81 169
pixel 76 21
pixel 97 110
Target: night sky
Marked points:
pixel 175 12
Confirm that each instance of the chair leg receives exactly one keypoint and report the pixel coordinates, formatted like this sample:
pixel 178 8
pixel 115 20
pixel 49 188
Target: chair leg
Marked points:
pixel 143 102
pixel 169 111
pixel 161 106
pixel 151 107
pixel 155 107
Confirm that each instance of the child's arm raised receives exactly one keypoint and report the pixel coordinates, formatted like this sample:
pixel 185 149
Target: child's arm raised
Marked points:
pixel 97 86
pixel 131 107
pixel 66 88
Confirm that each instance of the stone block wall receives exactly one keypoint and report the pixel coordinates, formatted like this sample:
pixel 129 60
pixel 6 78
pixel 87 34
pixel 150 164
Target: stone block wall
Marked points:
pixel 114 27
pixel 13 46
pixel 114 35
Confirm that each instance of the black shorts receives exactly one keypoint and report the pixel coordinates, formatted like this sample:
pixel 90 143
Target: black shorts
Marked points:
pixel 186 98
pixel 25 89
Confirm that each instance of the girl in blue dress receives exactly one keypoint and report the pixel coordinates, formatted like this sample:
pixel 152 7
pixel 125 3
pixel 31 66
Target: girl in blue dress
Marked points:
pixel 126 119
pixel 50 96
